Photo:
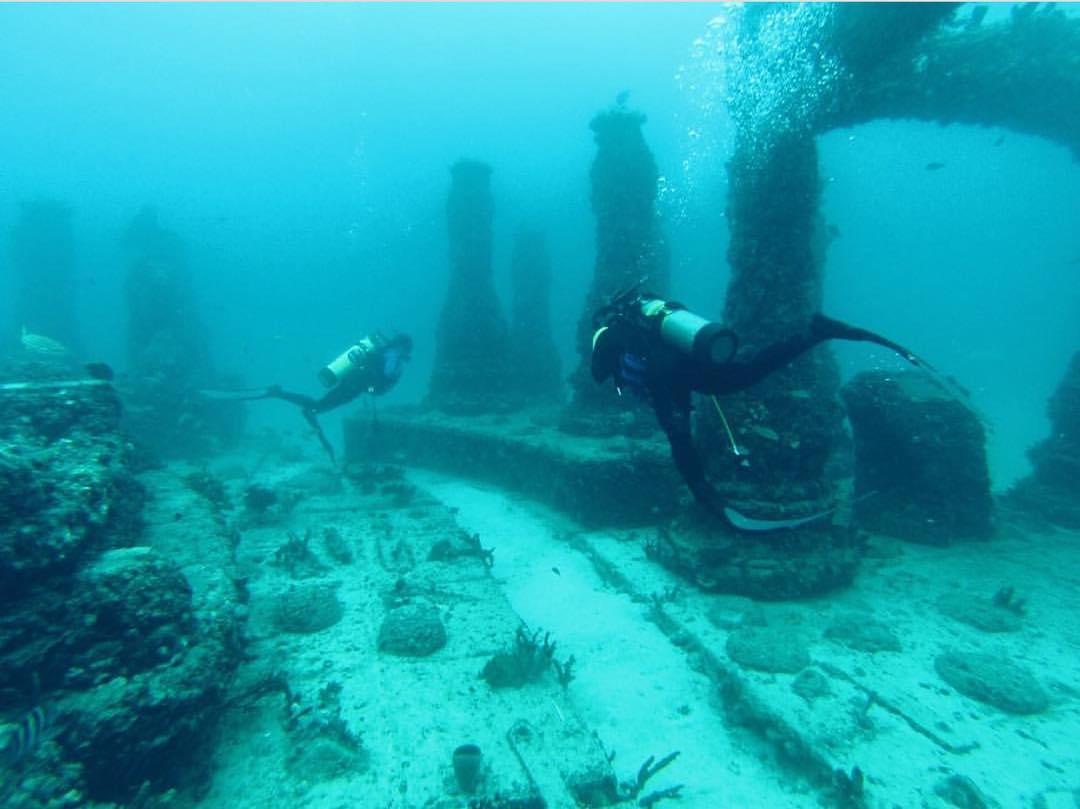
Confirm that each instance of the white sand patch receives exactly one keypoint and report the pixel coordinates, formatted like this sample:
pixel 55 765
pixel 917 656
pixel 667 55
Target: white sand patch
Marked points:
pixel 633 686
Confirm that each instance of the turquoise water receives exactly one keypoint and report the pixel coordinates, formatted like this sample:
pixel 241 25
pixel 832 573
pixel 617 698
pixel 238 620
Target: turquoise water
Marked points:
pixel 301 155
pixel 302 151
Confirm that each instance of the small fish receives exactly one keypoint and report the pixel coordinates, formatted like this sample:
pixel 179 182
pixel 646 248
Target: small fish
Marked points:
pixel 555 570
pixel 40 344
pixel 934 166
pixel 20 740
pixel 100 370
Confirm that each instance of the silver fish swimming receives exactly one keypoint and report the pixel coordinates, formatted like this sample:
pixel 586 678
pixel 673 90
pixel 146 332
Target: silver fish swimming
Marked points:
pixel 40 344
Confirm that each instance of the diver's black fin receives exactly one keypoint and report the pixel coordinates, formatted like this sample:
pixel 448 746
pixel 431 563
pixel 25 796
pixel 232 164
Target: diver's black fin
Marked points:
pixel 313 420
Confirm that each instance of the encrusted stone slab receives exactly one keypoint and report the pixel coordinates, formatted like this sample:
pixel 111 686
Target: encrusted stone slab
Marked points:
pixel 922 454
pixel 993 679
pixel 66 488
pixel 612 481
pixel 412 630
pixel 807 561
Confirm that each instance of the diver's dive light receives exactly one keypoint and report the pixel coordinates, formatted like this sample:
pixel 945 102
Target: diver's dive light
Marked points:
pixel 344 364
pixel 690 334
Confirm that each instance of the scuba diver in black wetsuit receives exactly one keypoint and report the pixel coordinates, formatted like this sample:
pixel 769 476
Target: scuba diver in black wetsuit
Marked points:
pixel 373 365
pixel 663 352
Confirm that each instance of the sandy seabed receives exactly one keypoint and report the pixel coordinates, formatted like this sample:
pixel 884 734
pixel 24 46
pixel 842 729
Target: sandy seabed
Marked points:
pixel 652 670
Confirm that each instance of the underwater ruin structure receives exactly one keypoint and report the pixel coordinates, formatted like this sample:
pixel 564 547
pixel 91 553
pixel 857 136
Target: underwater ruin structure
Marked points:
pixel 165 333
pixel 920 461
pixel 630 246
pixel 874 61
pixel 791 423
pixel 168 350
pixel 536 372
pixel 492 429
pixel 470 370
pixel 794 72
pixel 1022 73
pixel 1051 490
pixel 101 635
pixel 43 259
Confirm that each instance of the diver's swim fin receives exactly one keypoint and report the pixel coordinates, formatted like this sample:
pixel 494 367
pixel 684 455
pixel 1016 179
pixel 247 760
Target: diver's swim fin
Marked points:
pixel 326 445
pixel 741 522
pixel 831 329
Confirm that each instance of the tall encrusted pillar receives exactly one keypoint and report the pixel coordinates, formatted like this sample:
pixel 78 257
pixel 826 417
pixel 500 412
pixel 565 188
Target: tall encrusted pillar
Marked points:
pixel 629 243
pixel 470 371
pixel 785 426
pixel 796 71
pixel 791 72
pixel 169 351
pixel 534 362
pixel 792 421
pixel 1051 491
pixel 43 258
pixel 166 336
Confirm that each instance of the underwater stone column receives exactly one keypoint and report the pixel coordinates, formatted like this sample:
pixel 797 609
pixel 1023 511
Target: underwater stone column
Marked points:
pixel 791 422
pixel 788 425
pixel 1051 491
pixel 470 371
pixel 849 63
pixel 166 337
pixel 169 351
pixel 534 361
pixel 43 259
pixel 629 243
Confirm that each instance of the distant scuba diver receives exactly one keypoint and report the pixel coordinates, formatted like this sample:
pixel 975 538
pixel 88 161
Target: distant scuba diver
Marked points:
pixel 374 365
pixel 663 352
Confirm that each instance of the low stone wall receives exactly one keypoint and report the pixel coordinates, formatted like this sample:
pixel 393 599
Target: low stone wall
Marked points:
pixel 610 481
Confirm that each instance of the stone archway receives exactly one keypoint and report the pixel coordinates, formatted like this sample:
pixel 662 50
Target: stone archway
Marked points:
pixel 840 66
pixel 794 72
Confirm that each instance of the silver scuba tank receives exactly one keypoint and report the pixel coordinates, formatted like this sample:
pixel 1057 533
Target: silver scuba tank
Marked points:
pixel 341 366
pixel 691 334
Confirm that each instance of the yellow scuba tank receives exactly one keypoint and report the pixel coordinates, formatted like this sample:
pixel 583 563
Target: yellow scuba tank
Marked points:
pixel 688 333
pixel 346 363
